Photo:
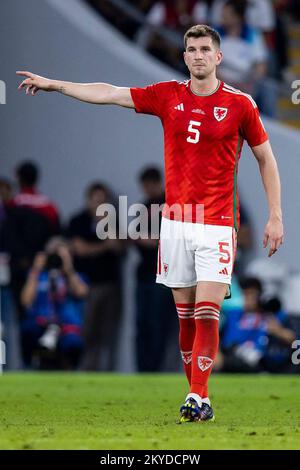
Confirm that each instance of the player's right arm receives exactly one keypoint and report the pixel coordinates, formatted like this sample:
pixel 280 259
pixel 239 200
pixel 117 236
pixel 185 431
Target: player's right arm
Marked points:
pixel 96 93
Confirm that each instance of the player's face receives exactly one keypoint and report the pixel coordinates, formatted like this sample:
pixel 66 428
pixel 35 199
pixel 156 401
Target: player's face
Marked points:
pixel 251 299
pixel 97 198
pixel 152 189
pixel 201 57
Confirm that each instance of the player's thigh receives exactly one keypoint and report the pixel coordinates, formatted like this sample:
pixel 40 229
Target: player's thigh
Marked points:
pixel 210 291
pixel 184 295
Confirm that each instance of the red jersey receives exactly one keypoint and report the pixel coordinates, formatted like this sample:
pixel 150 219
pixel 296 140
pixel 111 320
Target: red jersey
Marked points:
pixel 203 139
pixel 30 197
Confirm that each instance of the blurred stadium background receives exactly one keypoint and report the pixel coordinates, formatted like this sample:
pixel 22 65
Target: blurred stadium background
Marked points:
pixel 73 144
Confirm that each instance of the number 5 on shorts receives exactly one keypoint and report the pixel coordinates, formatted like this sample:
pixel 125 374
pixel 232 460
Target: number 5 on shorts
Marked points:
pixel 224 251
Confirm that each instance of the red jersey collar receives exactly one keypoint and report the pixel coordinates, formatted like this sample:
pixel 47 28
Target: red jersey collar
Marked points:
pixel 219 86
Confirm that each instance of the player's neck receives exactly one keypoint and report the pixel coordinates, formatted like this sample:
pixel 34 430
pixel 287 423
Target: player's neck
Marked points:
pixel 205 86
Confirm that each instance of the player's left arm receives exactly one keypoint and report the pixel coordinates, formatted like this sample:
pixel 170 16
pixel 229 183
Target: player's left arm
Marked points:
pixel 273 234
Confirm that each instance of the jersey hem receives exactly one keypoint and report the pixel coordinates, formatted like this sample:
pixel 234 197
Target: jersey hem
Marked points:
pixel 205 222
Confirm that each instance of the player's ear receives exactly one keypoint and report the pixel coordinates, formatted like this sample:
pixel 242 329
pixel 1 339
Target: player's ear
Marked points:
pixel 184 55
pixel 219 57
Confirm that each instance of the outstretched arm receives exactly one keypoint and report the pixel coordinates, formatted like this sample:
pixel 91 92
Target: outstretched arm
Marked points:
pixel 273 234
pixel 96 93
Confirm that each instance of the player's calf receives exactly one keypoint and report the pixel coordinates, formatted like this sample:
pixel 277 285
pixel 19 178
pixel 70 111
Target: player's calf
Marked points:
pixel 186 335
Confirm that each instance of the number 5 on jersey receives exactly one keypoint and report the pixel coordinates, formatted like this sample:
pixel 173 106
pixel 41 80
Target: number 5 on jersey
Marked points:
pixel 193 130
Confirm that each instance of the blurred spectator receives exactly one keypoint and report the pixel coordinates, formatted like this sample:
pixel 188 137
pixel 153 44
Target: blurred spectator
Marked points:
pixel 279 43
pixel 294 8
pixel 27 222
pixel 258 336
pixel 53 301
pixel 5 294
pixel 156 319
pixel 31 220
pixel 27 175
pixel 272 273
pixel 118 15
pixel 245 61
pixel 100 261
pixel 281 334
pixel 259 14
pixel 142 5
pixel 244 49
pixel 176 16
pixel 6 196
pixel 6 192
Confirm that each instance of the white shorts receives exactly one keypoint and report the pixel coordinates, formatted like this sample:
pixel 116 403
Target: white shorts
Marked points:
pixel 191 252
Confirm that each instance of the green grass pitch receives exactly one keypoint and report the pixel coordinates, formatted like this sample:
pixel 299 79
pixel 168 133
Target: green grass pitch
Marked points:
pixel 108 411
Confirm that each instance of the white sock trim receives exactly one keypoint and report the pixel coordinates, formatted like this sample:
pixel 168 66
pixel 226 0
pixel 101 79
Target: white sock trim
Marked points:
pixel 206 400
pixel 196 397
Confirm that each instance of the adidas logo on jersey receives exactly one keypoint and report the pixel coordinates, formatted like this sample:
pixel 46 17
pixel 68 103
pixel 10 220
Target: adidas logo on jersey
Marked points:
pixel 224 271
pixel 179 107
pixel 198 111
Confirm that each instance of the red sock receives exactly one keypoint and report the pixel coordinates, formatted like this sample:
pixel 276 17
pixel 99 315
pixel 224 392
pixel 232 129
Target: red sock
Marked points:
pixel 187 331
pixel 205 391
pixel 205 346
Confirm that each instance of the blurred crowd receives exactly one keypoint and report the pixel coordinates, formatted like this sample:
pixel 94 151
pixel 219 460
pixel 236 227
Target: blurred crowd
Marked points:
pixel 62 286
pixel 62 289
pixel 253 32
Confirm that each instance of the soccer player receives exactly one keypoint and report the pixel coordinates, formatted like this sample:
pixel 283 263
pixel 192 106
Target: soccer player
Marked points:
pixel 205 122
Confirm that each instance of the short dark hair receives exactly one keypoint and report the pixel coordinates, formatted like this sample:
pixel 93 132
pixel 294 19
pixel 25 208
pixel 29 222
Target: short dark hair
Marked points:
pixel 27 173
pixel 251 283
pixel 202 31
pixel 96 186
pixel 238 6
pixel 150 174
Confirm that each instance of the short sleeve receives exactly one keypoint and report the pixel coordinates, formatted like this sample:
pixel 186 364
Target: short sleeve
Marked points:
pixel 252 128
pixel 151 99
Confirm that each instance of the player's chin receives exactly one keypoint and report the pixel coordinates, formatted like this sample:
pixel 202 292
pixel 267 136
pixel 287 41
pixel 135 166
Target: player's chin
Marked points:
pixel 200 74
